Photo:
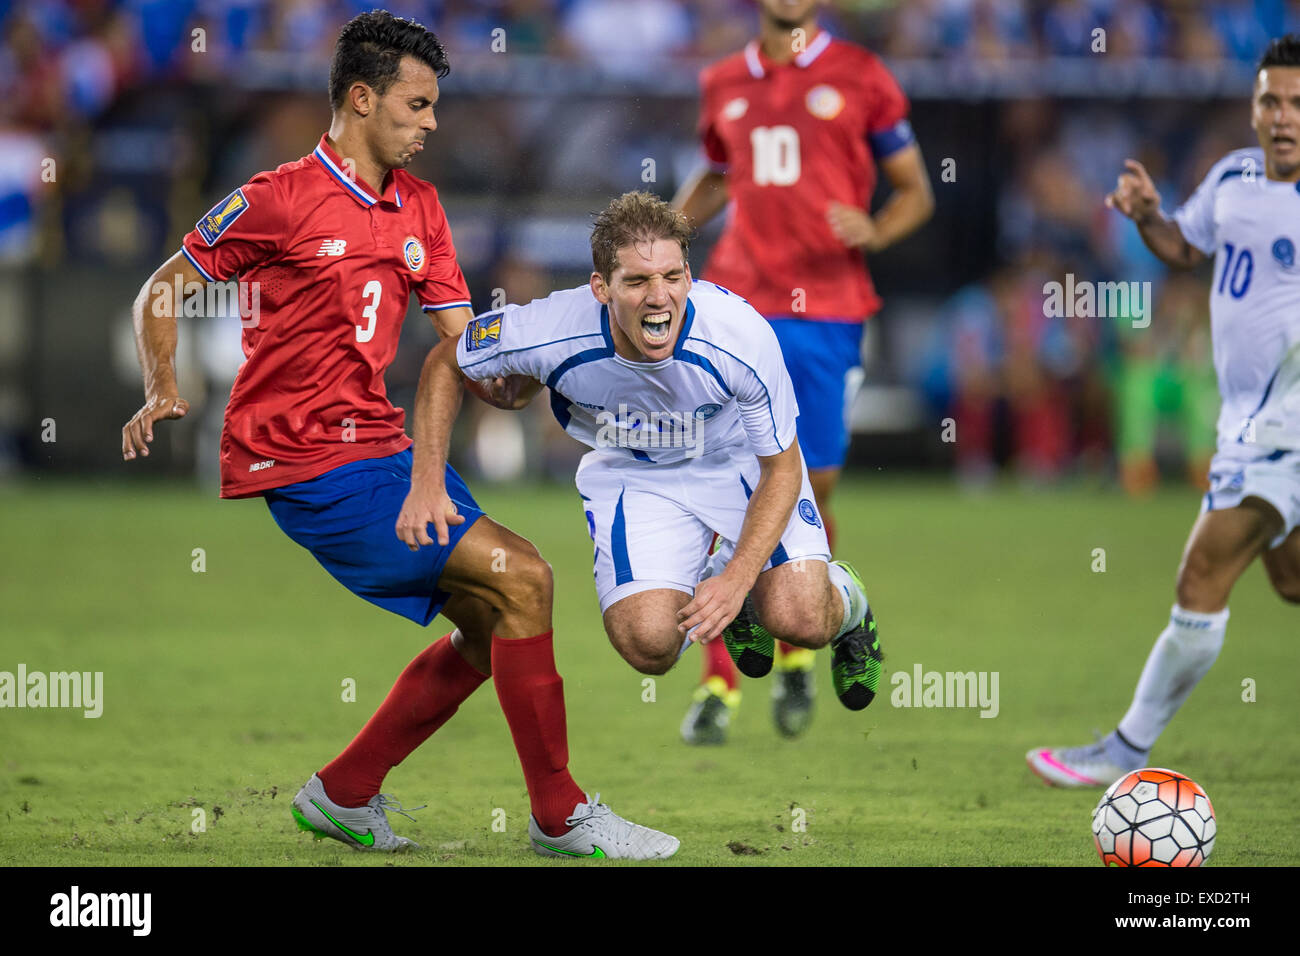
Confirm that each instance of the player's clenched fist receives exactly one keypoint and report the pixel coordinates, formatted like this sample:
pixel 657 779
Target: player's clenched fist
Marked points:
pixel 423 507
pixel 138 432
pixel 1135 195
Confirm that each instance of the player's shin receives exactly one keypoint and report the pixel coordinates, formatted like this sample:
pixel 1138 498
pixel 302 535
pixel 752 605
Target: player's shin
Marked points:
pixel 1182 655
pixel 532 698
pixel 424 697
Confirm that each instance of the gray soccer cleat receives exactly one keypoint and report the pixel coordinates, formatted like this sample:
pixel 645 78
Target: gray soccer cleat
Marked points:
pixel 600 833
pixel 1087 766
pixel 362 828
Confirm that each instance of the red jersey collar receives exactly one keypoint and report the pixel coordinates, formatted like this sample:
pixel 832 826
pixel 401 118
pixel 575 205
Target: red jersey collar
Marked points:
pixel 759 64
pixel 333 164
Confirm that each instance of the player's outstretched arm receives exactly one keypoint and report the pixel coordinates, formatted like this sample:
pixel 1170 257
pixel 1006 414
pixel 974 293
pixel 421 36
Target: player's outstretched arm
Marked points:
pixel 702 196
pixel 153 316
pixel 437 400
pixel 718 599
pixel 512 392
pixel 1135 196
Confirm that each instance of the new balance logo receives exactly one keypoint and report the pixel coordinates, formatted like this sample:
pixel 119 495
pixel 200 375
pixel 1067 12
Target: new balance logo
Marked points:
pixel 333 247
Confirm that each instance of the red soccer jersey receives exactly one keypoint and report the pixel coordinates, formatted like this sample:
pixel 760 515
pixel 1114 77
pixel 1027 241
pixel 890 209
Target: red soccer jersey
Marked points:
pixel 792 138
pixel 331 268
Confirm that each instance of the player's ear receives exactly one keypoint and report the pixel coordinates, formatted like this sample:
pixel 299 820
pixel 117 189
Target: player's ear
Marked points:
pixel 599 289
pixel 361 97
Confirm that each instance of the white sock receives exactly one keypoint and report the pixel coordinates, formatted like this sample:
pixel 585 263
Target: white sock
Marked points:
pixel 1182 655
pixel 855 602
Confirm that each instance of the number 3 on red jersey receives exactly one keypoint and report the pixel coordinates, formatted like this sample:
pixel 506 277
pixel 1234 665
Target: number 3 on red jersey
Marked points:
pixel 373 288
pixel 776 155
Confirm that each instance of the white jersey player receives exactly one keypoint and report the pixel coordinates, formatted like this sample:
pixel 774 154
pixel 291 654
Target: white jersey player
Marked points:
pixel 681 392
pixel 1246 215
pixel 1247 222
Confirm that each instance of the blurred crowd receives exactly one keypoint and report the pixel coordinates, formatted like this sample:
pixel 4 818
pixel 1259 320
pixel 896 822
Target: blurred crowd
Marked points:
pixel 91 86
pixel 66 60
pixel 1051 393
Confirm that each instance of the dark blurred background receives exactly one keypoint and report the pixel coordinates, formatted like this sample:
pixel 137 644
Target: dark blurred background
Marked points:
pixel 122 121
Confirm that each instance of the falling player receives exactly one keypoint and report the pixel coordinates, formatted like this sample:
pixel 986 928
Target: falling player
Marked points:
pixel 794 127
pixel 1244 215
pixel 337 242
pixel 680 391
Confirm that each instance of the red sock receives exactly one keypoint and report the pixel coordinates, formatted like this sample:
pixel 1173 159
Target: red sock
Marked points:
pixel 716 662
pixel 532 698
pixel 786 648
pixel 423 698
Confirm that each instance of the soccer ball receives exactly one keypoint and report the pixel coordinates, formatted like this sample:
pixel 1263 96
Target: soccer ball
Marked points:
pixel 1154 817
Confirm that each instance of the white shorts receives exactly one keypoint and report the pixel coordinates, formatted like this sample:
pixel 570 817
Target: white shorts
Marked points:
pixel 652 524
pixel 1274 478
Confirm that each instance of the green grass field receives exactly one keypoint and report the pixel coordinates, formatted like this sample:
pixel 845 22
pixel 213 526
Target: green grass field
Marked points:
pixel 223 691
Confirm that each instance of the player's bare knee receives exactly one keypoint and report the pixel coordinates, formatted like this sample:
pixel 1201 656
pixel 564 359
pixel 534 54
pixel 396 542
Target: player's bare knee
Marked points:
pixel 802 625
pixel 527 583
pixel 645 660
pixel 645 657
pixel 649 649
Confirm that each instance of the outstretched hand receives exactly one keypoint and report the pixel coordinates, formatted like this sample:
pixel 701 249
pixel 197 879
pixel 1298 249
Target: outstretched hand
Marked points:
pixel 1135 194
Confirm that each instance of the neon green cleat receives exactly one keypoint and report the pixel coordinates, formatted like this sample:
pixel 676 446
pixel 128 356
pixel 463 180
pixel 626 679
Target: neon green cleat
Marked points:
pixel 362 828
pixel 599 833
pixel 856 657
pixel 750 645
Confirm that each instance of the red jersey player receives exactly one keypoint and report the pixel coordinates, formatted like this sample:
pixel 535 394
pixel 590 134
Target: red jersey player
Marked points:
pixel 793 127
pixel 336 243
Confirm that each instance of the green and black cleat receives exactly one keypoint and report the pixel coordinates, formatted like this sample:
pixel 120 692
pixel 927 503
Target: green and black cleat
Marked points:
pixel 856 659
pixel 750 645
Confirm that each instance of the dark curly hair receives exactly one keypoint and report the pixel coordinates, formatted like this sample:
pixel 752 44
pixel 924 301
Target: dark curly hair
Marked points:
pixel 370 50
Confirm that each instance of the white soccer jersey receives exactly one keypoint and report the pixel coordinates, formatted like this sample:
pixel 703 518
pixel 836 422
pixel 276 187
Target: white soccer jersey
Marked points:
pixel 725 385
pixel 1251 225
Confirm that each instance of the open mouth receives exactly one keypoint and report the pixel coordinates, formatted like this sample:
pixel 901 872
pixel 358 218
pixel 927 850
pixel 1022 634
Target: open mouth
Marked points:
pixel 655 328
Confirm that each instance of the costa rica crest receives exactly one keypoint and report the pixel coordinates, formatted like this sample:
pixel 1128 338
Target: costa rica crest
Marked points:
pixel 413 253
